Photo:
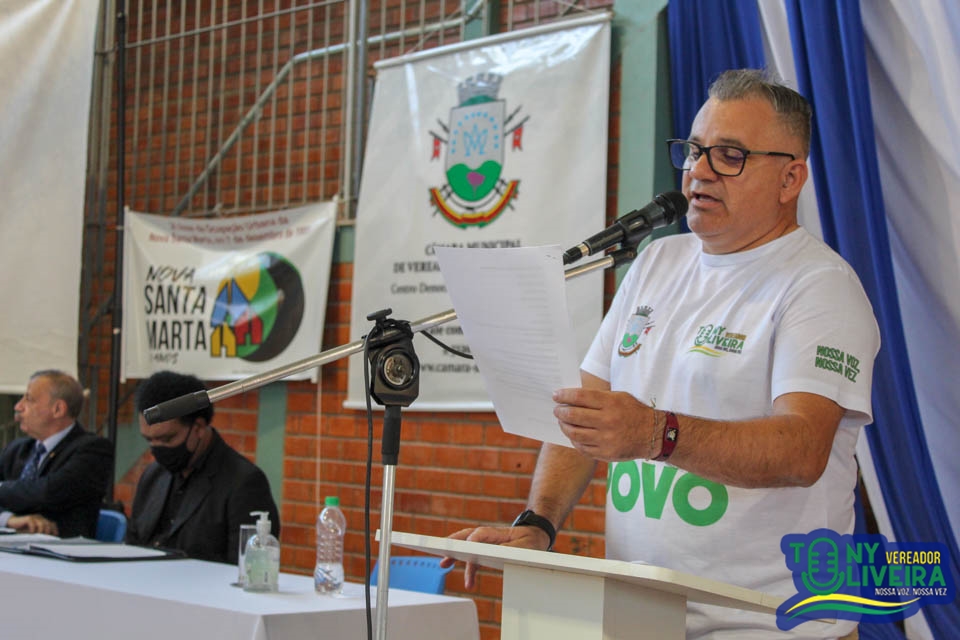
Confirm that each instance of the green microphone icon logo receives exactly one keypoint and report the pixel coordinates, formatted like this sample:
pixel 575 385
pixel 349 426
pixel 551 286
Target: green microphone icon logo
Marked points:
pixel 823 575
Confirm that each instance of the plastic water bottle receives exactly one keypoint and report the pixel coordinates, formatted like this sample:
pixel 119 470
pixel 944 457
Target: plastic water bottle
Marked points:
pixel 331 526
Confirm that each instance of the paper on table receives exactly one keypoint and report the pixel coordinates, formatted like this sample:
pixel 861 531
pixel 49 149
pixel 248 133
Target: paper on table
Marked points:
pixel 512 306
pixel 23 539
pixel 103 550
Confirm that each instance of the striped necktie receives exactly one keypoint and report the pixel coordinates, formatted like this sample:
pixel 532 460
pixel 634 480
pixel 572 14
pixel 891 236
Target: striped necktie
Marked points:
pixel 33 464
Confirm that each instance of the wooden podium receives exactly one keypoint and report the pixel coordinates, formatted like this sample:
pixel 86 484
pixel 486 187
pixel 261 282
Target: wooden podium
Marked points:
pixel 555 596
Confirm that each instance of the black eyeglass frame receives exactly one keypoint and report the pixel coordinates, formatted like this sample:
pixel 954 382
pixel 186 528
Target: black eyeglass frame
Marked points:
pixel 706 150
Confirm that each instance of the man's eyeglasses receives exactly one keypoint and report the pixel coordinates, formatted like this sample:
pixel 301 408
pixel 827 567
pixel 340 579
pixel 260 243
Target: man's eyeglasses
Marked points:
pixel 723 159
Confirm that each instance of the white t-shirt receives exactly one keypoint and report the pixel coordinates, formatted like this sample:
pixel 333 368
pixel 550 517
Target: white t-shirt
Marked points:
pixel 720 337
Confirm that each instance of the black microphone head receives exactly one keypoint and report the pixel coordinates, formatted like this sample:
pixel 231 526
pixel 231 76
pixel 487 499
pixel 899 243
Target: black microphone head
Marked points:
pixel 664 209
pixel 674 205
pixel 177 407
pixel 630 228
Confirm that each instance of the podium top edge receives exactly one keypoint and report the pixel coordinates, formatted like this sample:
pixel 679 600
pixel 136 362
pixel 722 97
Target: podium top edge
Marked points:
pixel 694 588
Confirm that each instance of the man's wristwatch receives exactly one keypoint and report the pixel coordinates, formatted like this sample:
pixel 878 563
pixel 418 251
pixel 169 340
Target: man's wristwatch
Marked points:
pixel 530 519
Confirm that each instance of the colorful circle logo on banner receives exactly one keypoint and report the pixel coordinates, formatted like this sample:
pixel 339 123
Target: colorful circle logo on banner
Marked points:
pixel 258 309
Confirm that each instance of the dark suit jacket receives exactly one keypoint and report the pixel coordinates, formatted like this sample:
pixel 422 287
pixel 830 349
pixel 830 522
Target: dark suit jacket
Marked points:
pixel 69 486
pixel 218 498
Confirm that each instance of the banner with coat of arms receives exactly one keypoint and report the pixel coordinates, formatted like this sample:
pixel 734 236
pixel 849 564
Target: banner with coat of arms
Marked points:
pixel 227 298
pixel 498 142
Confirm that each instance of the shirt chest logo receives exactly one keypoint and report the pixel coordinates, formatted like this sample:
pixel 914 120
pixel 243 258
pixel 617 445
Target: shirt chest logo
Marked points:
pixel 716 341
pixel 638 326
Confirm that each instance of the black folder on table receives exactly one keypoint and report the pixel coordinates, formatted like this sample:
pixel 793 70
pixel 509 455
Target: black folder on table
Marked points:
pixel 84 549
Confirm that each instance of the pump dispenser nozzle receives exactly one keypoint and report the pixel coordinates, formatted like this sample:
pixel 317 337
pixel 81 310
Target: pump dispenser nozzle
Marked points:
pixel 263 524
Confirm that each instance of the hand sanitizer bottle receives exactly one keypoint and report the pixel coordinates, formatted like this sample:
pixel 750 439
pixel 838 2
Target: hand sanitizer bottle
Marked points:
pixel 262 558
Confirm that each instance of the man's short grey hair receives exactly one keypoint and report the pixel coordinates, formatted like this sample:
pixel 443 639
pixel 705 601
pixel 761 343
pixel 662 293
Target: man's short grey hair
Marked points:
pixel 64 387
pixel 793 108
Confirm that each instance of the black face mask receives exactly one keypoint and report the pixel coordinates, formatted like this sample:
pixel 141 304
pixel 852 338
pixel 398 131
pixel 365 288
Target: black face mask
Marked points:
pixel 174 459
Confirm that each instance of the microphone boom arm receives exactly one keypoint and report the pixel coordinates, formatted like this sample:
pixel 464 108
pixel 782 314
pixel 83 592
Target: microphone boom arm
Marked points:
pixel 195 401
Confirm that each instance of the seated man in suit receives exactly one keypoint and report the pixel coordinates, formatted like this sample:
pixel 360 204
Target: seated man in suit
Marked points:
pixel 54 480
pixel 200 490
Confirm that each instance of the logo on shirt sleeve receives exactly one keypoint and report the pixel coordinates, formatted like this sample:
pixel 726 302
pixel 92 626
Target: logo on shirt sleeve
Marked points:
pixel 833 359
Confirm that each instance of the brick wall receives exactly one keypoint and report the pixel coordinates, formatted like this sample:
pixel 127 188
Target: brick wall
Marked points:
pixel 456 469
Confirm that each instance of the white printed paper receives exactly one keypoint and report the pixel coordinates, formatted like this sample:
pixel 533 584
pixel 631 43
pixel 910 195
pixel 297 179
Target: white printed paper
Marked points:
pixel 512 305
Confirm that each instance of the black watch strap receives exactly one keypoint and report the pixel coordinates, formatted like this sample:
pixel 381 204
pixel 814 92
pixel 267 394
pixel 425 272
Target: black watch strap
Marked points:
pixel 530 519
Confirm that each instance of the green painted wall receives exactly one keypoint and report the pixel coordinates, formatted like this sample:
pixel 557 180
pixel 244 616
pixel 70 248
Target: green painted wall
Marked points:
pixel 640 44
pixel 343 244
pixel 271 426
pixel 130 446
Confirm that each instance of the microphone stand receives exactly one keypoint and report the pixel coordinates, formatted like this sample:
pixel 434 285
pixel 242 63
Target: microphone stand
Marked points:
pixel 395 384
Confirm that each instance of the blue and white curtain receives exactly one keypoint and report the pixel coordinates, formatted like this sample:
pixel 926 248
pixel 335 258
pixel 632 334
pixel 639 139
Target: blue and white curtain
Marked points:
pixel 883 78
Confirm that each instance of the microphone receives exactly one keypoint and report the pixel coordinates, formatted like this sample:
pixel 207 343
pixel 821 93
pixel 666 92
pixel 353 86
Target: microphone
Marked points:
pixel 665 209
pixel 177 407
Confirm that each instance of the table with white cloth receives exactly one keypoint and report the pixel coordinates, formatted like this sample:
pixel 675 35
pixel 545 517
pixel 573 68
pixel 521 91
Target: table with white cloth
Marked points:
pixel 166 599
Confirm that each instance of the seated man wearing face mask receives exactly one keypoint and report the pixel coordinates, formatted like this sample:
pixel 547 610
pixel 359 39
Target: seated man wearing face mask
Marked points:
pixel 200 490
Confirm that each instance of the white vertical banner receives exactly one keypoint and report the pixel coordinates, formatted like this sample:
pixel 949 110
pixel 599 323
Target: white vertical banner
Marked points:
pixel 498 142
pixel 225 299
pixel 46 71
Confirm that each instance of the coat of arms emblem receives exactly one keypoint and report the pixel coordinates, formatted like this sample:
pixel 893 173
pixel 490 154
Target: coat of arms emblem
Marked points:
pixel 638 325
pixel 476 193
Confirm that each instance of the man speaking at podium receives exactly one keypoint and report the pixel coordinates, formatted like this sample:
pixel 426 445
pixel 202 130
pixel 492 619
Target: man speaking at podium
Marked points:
pixel 728 382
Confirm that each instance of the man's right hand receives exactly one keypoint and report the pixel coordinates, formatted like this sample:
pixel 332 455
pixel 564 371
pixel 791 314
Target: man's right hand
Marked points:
pixel 524 537
pixel 33 523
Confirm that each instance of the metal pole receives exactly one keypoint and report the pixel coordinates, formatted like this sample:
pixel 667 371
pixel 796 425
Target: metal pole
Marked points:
pixel 383 561
pixel 117 308
pixel 346 188
pixel 360 99
pixel 98 167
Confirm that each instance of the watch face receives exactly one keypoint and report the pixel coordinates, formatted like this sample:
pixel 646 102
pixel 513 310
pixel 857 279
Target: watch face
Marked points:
pixel 522 517
pixel 529 518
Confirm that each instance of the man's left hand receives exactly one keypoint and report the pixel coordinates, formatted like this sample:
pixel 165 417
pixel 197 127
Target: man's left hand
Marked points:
pixel 33 523
pixel 607 425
